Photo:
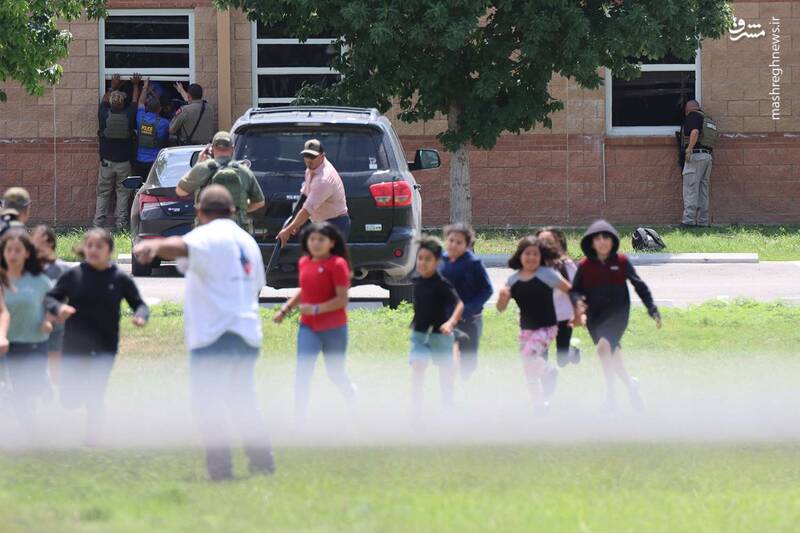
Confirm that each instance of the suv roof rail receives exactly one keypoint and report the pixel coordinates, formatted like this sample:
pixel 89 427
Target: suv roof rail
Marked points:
pixel 372 112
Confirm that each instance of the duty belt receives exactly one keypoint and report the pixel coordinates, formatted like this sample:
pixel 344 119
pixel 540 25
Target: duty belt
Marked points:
pixel 701 151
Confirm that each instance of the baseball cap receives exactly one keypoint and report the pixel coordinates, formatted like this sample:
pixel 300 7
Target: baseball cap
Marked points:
pixel 312 148
pixel 16 198
pixel 117 98
pixel 222 139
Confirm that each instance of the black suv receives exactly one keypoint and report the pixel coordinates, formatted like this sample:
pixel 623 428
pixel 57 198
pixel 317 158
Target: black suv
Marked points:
pixel 382 196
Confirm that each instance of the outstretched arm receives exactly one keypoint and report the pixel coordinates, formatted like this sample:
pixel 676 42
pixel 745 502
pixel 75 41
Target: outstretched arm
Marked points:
pixel 644 292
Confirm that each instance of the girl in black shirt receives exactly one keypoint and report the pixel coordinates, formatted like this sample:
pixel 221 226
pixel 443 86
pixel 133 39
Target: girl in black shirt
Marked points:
pixel 88 298
pixel 531 286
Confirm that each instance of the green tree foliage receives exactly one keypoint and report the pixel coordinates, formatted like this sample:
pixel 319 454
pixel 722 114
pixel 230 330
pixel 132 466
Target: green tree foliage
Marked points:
pixel 485 64
pixel 31 44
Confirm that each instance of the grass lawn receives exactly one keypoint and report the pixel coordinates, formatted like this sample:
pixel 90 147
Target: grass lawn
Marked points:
pixel 538 486
pixel 771 243
pixel 611 488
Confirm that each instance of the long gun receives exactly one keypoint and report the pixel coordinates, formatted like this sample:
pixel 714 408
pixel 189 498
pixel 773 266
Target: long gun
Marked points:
pixel 276 252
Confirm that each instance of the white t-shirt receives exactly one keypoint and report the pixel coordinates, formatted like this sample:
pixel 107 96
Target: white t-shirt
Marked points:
pixel 224 276
pixel 561 300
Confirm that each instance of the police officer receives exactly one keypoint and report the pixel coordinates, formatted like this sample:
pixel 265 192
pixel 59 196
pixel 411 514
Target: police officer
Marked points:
pixel 16 210
pixel 152 130
pixel 216 165
pixel 696 169
pixel 117 144
pixel 194 122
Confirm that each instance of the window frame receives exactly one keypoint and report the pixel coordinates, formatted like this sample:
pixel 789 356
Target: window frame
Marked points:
pixel 155 74
pixel 256 70
pixel 620 131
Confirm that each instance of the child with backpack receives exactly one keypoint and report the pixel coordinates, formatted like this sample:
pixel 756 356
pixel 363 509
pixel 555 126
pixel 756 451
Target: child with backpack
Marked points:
pixel 555 239
pixel 28 328
pixel 466 272
pixel 531 287
pixel 601 284
pixel 88 298
pixel 437 310
pixel 324 276
pixel 44 238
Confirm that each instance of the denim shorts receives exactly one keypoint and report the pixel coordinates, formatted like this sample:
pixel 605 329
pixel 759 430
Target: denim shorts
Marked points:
pixel 56 340
pixel 433 347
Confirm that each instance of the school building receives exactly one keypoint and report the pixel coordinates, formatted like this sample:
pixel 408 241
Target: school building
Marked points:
pixel 610 153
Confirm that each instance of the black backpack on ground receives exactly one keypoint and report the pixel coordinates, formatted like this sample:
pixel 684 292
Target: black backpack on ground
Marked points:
pixel 647 240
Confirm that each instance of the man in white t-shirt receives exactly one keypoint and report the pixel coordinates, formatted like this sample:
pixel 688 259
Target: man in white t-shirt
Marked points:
pixel 224 276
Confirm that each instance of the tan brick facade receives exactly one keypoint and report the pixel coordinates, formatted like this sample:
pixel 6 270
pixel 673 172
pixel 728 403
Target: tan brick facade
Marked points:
pixel 48 143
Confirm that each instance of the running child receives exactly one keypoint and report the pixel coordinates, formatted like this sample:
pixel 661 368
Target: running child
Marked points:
pixel 44 238
pixel 28 328
pixel 466 272
pixel 565 313
pixel 324 275
pixel 437 310
pixel 600 284
pixel 531 286
pixel 94 290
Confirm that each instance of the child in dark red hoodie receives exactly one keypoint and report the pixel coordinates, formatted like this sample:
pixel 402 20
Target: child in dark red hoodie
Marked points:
pixel 600 284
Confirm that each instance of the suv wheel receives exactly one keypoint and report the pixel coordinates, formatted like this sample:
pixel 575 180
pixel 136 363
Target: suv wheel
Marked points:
pixel 139 270
pixel 399 294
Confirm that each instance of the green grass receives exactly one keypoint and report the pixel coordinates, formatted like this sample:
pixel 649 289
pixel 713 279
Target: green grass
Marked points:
pixel 611 488
pixel 67 241
pixel 713 329
pixel 771 243
pixel 535 487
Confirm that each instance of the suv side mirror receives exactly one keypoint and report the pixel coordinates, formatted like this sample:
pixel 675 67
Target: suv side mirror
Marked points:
pixel 194 158
pixel 133 182
pixel 425 159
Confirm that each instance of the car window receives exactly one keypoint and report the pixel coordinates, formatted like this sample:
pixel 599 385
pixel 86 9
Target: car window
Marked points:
pixel 171 166
pixel 350 150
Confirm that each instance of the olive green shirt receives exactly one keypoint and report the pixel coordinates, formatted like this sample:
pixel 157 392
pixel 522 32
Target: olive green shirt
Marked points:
pixel 183 124
pixel 199 176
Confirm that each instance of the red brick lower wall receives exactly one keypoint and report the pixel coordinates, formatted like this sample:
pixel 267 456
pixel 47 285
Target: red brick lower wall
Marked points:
pixel 526 180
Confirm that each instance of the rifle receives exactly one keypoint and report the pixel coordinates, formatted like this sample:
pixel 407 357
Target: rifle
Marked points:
pixel 276 252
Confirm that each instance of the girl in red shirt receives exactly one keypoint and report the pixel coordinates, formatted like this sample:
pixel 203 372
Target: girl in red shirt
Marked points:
pixel 324 276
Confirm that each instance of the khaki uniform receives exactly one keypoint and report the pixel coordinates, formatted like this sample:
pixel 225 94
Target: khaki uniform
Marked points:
pixel 200 175
pixel 696 183
pixel 184 122
pixel 112 174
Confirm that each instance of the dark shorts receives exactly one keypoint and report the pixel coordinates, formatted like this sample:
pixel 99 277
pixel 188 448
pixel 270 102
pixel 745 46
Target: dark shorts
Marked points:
pixel 608 326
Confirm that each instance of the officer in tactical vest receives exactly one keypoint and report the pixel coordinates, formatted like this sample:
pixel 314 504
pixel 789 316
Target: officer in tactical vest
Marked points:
pixel 152 130
pixel 698 138
pixel 16 209
pixel 117 144
pixel 215 165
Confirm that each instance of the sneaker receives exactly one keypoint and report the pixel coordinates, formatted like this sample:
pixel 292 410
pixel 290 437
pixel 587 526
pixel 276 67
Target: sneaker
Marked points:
pixel 549 382
pixel 635 397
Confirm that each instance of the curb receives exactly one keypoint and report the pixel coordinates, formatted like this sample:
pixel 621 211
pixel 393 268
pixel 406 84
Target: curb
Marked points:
pixel 123 259
pixel 501 260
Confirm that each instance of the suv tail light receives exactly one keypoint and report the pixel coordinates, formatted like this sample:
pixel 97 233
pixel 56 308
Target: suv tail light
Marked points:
pixel 391 193
pixel 145 199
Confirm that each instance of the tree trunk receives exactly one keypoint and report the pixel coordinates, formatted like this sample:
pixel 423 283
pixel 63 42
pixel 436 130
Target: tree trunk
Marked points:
pixel 460 193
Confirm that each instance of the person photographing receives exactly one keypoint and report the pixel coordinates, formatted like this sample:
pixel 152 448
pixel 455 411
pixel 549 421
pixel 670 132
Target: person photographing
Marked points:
pixel 216 166
pixel 325 196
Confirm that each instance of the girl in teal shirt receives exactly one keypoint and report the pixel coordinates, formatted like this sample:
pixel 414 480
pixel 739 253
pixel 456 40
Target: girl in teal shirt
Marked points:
pixel 29 328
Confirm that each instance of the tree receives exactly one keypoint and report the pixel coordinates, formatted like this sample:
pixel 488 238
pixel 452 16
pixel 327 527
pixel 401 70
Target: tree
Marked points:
pixel 485 64
pixel 31 42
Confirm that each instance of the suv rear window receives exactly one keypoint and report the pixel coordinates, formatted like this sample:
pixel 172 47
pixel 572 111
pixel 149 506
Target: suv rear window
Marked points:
pixel 349 149
pixel 171 165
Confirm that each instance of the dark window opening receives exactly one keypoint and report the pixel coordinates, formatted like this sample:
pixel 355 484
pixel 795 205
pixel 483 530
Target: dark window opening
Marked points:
pixel 653 99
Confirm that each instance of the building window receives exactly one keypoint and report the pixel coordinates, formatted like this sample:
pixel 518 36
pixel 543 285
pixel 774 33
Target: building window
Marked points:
pixel 158 44
pixel 653 103
pixel 282 65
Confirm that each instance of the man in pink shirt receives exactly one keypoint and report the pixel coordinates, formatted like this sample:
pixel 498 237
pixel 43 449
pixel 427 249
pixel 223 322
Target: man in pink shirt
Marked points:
pixel 324 191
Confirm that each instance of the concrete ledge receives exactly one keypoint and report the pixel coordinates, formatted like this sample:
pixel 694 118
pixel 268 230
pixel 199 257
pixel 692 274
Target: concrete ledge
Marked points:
pixel 501 260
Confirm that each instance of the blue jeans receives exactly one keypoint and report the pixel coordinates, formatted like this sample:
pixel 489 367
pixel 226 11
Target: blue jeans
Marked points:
pixel 343 224
pixel 27 375
pixel 432 347
pixel 333 345
pixel 222 386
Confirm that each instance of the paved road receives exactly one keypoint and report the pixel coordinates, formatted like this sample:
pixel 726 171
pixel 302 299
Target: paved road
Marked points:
pixel 672 284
